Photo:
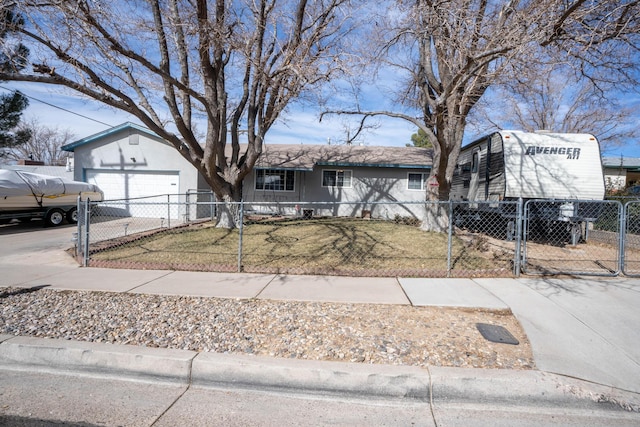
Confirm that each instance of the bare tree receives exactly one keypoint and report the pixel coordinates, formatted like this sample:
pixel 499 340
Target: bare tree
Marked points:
pixel 232 65
pixel 449 52
pixel 557 100
pixel 44 144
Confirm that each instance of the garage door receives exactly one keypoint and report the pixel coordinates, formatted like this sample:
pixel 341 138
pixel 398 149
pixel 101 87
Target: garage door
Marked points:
pixel 145 193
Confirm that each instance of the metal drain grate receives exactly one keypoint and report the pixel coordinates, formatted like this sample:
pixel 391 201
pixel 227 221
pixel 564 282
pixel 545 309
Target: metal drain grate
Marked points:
pixel 495 333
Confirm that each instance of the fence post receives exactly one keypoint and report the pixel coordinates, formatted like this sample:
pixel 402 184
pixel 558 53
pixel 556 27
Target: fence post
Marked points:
pixel 450 239
pixel 87 216
pixel 213 206
pixel 241 229
pixel 519 239
pixel 187 206
pixel 622 232
pixel 168 210
pixel 78 236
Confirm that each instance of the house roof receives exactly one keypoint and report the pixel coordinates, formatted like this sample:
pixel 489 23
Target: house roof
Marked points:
pixel 305 157
pixel 96 136
pixel 628 163
pixel 60 171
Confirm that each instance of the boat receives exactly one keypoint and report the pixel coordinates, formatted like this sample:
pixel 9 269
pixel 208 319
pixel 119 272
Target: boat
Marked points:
pixel 29 195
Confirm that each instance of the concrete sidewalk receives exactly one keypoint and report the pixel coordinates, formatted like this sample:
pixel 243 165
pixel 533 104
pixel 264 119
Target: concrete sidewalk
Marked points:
pixel 585 329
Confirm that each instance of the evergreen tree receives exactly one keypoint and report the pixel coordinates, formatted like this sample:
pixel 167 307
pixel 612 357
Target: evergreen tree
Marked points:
pixel 420 139
pixel 12 105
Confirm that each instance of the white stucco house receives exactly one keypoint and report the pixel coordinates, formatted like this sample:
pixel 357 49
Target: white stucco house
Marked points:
pixel 129 161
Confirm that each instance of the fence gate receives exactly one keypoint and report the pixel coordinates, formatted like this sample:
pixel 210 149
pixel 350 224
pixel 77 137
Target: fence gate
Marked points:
pixel 572 237
pixel 631 247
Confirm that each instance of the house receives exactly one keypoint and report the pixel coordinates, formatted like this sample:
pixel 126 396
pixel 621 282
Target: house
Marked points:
pixel 129 161
pixel 342 180
pixel 42 169
pixel 621 172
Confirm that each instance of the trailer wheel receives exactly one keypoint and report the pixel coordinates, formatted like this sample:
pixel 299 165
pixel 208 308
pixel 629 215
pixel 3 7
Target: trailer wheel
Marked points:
pixel 72 215
pixel 54 217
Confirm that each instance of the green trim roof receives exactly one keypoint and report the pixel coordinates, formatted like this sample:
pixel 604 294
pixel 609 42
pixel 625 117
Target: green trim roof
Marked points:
pixel 92 138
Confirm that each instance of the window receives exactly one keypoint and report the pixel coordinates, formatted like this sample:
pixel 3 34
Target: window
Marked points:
pixel 336 178
pixel 416 181
pixel 475 162
pixel 275 180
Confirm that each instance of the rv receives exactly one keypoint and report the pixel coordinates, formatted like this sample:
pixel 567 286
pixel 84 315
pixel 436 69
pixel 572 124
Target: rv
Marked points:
pixel 516 165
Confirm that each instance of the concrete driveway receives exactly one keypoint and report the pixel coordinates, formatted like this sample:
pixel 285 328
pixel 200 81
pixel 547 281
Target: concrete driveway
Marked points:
pixel 31 243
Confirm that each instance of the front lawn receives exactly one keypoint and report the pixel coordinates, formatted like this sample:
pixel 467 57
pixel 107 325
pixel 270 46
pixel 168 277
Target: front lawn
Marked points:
pixel 340 246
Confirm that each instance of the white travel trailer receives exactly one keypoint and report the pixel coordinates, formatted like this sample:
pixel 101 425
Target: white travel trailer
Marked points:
pixel 513 165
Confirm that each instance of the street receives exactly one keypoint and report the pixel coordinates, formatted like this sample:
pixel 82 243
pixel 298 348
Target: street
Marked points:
pixel 38 399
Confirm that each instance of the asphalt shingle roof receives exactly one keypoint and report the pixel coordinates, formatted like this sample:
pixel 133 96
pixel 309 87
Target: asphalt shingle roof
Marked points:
pixel 305 157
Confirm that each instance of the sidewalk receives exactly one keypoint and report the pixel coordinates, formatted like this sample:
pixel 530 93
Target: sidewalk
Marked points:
pixel 584 334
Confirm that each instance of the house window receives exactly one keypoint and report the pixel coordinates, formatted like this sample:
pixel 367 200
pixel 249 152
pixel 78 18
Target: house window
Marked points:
pixel 416 181
pixel 336 178
pixel 275 180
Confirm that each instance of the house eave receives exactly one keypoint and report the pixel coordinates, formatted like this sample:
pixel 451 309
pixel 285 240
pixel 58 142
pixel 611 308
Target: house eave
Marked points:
pixel 97 136
pixel 373 165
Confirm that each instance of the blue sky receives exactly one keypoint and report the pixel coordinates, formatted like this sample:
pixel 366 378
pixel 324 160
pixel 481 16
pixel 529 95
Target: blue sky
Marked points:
pixel 301 125
pixel 298 126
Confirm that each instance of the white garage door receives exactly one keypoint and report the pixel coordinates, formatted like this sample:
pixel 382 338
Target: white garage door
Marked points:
pixel 145 193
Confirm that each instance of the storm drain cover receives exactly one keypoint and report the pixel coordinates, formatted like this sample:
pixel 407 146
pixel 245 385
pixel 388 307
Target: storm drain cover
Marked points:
pixel 495 333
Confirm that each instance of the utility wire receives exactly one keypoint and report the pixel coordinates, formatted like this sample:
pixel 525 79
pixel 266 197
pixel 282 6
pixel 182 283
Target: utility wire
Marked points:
pixel 55 106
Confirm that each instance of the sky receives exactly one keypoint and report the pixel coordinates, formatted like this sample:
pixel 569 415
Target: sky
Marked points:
pixel 84 118
pixel 299 126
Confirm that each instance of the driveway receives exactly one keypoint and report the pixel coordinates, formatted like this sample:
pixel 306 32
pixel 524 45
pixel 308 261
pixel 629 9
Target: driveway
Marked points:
pixel 31 243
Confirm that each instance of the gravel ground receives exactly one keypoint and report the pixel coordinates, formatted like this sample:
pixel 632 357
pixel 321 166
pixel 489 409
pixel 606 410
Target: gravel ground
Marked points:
pixel 359 333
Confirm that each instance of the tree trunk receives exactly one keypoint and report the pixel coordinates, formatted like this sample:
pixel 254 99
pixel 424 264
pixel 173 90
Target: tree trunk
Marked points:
pixel 445 156
pixel 228 212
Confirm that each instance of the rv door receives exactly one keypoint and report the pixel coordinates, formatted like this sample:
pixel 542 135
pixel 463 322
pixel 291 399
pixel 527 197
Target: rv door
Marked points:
pixel 475 175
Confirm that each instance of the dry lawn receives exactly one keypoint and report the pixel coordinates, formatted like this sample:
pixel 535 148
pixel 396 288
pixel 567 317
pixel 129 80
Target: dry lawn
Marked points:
pixel 341 246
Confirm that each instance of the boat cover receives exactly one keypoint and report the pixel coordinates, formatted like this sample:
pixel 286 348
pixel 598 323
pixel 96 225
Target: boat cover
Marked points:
pixel 20 183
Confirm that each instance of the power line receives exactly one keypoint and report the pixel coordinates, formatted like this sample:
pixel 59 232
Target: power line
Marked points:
pixel 55 106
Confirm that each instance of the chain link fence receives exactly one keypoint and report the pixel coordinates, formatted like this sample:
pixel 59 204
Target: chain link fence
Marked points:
pixel 631 247
pixel 469 239
pixel 572 237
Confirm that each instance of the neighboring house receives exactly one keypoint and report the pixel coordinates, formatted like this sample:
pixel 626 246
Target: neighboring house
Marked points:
pixel 40 168
pixel 130 161
pixel 621 172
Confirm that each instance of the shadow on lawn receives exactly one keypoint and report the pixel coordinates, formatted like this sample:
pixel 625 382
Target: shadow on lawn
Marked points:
pixel 328 246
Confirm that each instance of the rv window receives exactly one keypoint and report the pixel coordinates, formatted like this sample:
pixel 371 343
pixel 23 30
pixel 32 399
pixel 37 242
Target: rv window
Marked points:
pixel 474 163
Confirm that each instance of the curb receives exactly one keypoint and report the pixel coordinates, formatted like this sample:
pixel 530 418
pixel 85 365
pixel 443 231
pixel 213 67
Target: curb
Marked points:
pixel 213 370
pixel 89 358
pixel 526 388
pixel 310 376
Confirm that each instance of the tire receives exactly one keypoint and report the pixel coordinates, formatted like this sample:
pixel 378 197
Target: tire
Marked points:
pixel 72 216
pixel 54 217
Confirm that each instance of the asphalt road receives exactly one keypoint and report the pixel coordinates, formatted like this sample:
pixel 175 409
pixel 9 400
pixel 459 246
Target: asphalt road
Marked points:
pixel 37 399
